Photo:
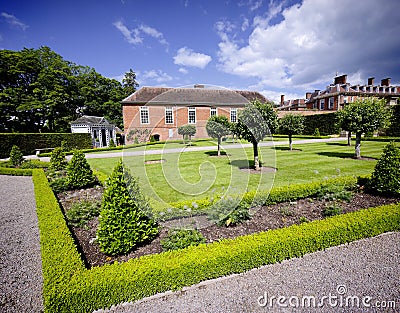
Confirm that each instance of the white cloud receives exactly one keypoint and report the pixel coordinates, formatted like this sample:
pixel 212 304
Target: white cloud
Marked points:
pixel 13 21
pixel 183 70
pixel 156 76
pixel 187 57
pixel 251 4
pixel 314 41
pixel 135 36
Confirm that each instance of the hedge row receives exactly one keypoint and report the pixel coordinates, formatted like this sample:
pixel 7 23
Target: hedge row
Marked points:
pixel 29 142
pixel 163 211
pixel 326 124
pixel 69 287
pixel 15 171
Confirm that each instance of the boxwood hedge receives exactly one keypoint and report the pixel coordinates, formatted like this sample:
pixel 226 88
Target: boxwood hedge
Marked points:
pixel 70 287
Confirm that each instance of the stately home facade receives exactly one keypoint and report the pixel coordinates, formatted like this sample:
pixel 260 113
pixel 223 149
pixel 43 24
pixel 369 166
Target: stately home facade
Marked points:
pixel 158 111
pixel 336 95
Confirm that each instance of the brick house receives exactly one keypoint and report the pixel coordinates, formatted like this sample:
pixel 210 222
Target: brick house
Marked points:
pixel 159 111
pixel 336 95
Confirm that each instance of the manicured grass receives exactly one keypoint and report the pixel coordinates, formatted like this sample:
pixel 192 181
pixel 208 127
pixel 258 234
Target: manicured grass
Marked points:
pixel 197 175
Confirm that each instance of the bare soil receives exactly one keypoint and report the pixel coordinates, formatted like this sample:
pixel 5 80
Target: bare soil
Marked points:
pixel 265 218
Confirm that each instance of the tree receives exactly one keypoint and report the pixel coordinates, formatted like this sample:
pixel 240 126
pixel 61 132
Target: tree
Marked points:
pixel 187 131
pixel 122 223
pixel 291 124
pixel 362 116
pixel 218 127
pixel 79 173
pixel 16 156
pixel 129 83
pixel 386 176
pixel 256 121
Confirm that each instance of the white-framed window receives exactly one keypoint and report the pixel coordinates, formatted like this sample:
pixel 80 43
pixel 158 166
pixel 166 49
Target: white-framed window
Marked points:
pixel 213 112
pixel 233 115
pixel 322 104
pixel 331 103
pixel 144 115
pixel 169 115
pixel 192 115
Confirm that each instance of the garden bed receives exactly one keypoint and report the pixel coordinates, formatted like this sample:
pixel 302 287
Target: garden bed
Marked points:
pixel 266 218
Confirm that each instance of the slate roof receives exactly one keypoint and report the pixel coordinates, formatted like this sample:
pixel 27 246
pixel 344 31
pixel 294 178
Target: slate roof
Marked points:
pixel 90 120
pixel 192 96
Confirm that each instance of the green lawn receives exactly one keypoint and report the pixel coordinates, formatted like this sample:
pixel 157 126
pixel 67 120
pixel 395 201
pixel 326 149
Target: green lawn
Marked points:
pixel 197 175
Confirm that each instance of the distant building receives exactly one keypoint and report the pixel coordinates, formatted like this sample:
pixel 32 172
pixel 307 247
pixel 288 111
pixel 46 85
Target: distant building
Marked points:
pixel 159 111
pixel 336 95
pixel 98 127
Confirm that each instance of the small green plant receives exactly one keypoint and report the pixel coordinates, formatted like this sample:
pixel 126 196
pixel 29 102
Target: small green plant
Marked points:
pixel 82 212
pixel 111 144
pixel 59 184
pixel 303 219
pixel 34 164
pixel 316 132
pixel 182 238
pixel 331 210
pixel 334 193
pixel 228 212
pixel 386 176
pixel 57 160
pixel 122 224
pixel 16 156
pixel 286 211
pixel 79 173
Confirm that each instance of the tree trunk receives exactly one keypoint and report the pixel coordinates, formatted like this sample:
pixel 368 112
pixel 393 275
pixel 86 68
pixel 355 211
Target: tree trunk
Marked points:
pixel 349 138
pixel 219 146
pixel 358 146
pixel 290 142
pixel 256 161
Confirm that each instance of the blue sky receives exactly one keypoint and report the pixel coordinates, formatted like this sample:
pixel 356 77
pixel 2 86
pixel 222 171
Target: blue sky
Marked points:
pixel 275 47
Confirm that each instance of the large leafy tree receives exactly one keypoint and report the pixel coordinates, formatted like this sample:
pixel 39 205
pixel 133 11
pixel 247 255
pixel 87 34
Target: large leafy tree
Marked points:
pixel 363 116
pixel 187 131
pixel 129 83
pixel 40 91
pixel 291 124
pixel 256 121
pixel 218 127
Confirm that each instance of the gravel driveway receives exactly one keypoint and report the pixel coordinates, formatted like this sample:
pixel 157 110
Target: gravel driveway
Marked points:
pixel 366 270
pixel 20 261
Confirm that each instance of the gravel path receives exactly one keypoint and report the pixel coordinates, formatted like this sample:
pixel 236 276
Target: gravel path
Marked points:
pixel 353 272
pixel 20 261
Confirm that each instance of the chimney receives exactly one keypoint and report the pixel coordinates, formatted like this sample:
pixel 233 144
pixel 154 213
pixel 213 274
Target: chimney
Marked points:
pixel 385 82
pixel 371 81
pixel 282 99
pixel 308 95
pixel 198 86
pixel 341 79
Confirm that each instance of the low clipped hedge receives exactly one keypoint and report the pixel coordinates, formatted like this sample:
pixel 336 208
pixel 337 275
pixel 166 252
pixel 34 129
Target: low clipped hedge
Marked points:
pixel 15 171
pixel 69 287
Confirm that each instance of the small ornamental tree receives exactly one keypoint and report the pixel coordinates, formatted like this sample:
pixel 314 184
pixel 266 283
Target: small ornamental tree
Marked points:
pixel 386 176
pixel 57 160
pixel 16 156
pixel 218 127
pixel 256 121
pixel 187 131
pixel 363 116
pixel 79 173
pixel 122 224
pixel 291 124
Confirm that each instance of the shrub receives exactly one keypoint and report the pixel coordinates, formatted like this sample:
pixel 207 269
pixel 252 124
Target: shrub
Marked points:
pixel 316 132
pixel 333 193
pixel 182 238
pixel 111 144
pixel 16 156
pixel 59 184
pixel 34 164
pixel 79 173
pixel 331 210
pixel 122 225
pixel 386 175
pixel 82 212
pixel 57 160
pixel 228 211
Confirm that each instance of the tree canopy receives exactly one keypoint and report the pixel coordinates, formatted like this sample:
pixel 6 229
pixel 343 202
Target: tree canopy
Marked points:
pixel 256 121
pixel 42 92
pixel 363 116
pixel 291 124
pixel 187 131
pixel 218 127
